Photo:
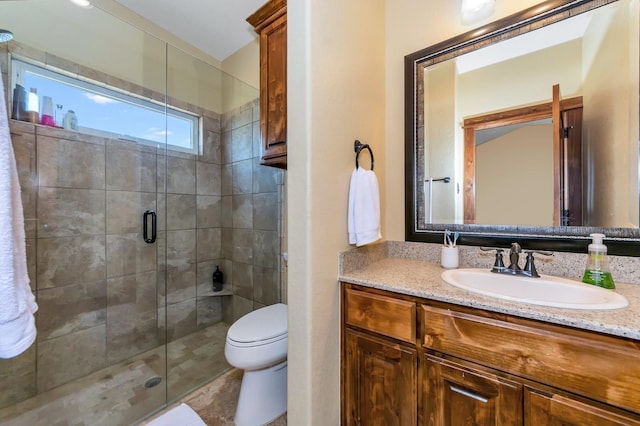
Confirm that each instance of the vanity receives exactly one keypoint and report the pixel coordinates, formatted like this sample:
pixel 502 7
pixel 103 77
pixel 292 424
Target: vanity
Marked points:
pixel 416 350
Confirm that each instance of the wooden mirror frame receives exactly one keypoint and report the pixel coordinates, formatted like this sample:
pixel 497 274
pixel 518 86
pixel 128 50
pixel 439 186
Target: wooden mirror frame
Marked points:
pixel 620 241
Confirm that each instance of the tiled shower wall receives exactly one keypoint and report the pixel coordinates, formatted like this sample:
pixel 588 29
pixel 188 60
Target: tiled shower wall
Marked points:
pixel 101 290
pixel 251 215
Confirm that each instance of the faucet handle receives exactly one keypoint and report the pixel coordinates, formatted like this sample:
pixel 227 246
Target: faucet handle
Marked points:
pixel 544 253
pixel 499 263
pixel 530 267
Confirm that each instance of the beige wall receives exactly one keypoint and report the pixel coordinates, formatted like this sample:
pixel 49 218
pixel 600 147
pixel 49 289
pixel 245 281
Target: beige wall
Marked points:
pixel 514 178
pixel 117 46
pixel 335 95
pixel 245 63
pixel 347 81
pixel 611 166
pixel 412 25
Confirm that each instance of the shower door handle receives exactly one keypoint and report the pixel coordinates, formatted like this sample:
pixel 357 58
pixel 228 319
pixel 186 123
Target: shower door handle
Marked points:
pixel 145 231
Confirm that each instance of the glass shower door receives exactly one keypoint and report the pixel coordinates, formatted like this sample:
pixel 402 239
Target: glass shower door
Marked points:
pixel 100 355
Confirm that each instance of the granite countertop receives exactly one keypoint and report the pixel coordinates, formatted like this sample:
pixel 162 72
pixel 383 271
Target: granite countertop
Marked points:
pixel 422 279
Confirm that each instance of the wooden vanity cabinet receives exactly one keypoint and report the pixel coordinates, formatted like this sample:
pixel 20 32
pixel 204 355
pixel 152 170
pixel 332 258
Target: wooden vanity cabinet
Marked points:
pixel 455 394
pixel 407 360
pixel 379 360
pixel 270 22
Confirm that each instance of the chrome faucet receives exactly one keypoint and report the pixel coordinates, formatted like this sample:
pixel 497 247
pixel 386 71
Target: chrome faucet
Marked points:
pixel 514 268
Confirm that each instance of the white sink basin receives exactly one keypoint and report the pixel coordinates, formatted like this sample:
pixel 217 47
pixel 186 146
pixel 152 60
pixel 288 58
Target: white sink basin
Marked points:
pixel 545 291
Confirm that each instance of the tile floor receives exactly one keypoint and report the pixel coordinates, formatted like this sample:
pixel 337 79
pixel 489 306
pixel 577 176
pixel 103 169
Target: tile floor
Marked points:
pixel 216 402
pixel 117 396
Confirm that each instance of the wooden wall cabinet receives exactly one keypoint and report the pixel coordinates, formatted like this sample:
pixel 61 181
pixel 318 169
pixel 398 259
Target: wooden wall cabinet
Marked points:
pixel 270 22
pixel 408 361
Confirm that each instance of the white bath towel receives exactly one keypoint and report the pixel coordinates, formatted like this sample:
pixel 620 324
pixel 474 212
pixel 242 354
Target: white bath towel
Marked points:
pixel 363 221
pixel 17 302
pixel 181 415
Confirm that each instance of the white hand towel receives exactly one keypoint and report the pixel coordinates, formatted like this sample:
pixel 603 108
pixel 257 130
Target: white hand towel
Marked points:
pixel 17 302
pixel 363 218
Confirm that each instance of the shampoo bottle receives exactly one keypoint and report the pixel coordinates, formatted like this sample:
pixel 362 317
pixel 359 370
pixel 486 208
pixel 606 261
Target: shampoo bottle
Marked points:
pixel 597 270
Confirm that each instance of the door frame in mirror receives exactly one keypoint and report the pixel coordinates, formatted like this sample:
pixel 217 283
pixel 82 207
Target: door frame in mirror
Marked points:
pixel 620 241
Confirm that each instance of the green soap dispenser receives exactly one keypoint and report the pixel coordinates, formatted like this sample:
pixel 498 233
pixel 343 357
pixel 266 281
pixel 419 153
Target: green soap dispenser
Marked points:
pixel 597 270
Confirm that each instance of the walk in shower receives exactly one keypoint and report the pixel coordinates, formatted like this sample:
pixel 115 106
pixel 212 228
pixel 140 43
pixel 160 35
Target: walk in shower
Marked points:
pixel 127 214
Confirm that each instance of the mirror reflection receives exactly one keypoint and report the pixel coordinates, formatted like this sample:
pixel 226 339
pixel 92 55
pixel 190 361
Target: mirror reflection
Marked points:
pixel 544 127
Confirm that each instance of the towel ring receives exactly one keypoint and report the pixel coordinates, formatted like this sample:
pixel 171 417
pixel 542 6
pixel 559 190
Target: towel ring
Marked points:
pixel 359 146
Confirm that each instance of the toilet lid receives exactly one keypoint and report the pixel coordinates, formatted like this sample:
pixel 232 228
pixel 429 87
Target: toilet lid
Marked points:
pixel 262 324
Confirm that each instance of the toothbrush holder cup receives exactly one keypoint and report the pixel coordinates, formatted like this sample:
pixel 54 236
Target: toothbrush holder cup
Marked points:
pixel 450 257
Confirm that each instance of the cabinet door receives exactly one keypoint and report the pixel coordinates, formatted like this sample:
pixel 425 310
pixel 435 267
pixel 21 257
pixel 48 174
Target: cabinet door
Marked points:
pixel 558 410
pixel 273 92
pixel 380 381
pixel 455 395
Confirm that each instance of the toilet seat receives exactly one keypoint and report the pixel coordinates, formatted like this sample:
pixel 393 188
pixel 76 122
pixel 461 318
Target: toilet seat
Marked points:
pixel 261 327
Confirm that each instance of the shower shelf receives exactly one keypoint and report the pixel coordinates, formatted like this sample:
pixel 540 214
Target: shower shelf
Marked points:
pixel 219 293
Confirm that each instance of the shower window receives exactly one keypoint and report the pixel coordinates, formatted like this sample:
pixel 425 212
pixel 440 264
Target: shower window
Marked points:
pixel 109 111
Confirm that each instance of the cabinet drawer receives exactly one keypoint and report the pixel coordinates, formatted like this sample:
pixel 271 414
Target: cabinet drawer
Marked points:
pixel 601 367
pixel 381 314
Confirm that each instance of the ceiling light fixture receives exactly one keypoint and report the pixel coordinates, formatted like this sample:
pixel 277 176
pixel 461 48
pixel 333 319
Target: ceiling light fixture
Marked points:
pixel 82 3
pixel 473 11
pixel 5 35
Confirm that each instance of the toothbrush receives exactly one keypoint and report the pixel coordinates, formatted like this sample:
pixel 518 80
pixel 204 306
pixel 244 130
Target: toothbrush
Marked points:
pixel 447 235
pixel 455 238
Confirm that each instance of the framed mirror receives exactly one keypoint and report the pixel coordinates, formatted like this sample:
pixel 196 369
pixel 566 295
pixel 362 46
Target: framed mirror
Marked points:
pixel 527 130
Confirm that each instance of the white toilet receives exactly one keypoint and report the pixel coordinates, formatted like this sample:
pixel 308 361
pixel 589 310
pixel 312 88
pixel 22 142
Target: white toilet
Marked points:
pixel 257 343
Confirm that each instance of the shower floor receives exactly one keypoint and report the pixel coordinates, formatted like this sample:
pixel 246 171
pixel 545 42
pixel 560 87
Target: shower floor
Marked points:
pixel 117 396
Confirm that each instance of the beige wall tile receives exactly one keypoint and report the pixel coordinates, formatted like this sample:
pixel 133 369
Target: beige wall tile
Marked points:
pixel 70 164
pixel 242 143
pixel 242 213
pixel 225 147
pixel 181 176
pixel 18 376
pixel 70 260
pixel 69 212
pixel 71 308
pixel 211 147
pixel 204 273
pixel 71 356
pixel 131 170
pixel 209 244
pixel 211 122
pixel 208 311
pixel 266 211
pixel 125 211
pixel 181 247
pixel 226 185
pixel 181 283
pixel 209 209
pixel 266 288
pixel 226 212
pixel 208 178
pixel 31 246
pixel 129 254
pixel 24 148
pixel 131 315
pixel 243 117
pixel 181 211
pixel 242 248
pixel 265 179
pixel 243 280
pixel 181 319
pixel 266 248
pixel 242 177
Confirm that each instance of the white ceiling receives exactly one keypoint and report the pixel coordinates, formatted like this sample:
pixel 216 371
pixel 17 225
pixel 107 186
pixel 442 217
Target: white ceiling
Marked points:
pixel 217 27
